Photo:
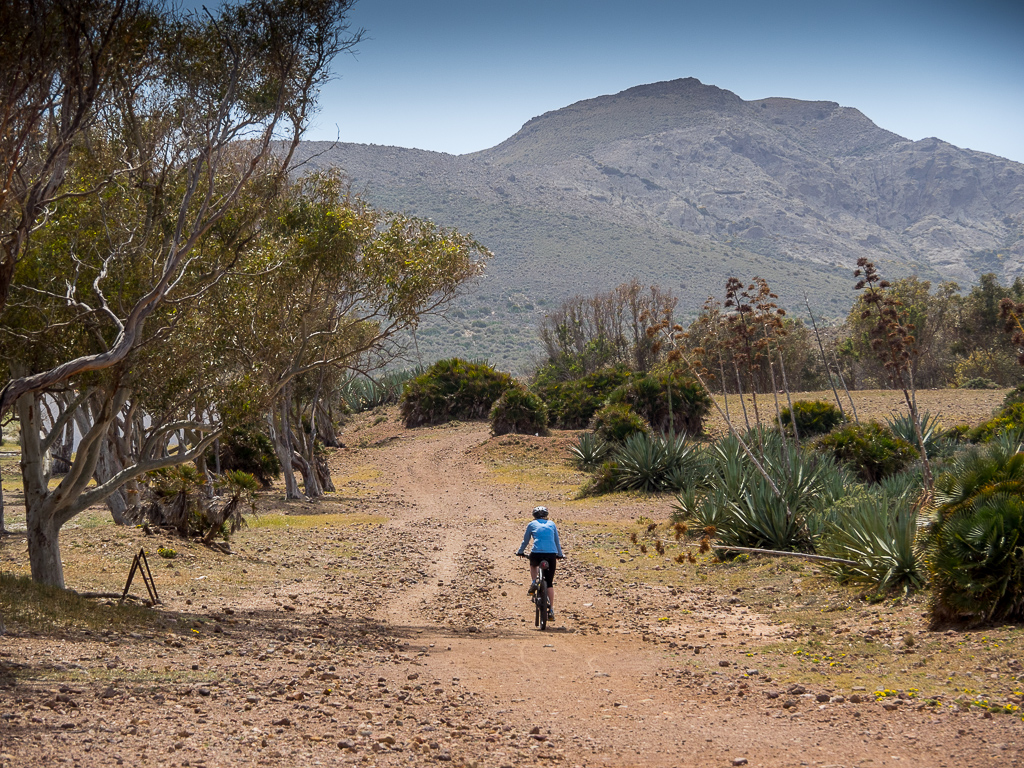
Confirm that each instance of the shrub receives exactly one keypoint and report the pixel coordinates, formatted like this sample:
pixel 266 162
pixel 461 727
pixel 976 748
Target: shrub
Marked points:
pixel 518 410
pixel 977 564
pixel 589 452
pixel 249 450
pixel 603 480
pixel 669 402
pixel 452 389
pixel 1015 395
pixel 975 545
pixel 615 422
pixel 813 417
pixel 871 450
pixel 572 404
pixel 1010 417
pixel 978 382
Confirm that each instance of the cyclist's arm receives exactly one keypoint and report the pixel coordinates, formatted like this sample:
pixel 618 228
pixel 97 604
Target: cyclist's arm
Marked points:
pixel 558 545
pixel 526 539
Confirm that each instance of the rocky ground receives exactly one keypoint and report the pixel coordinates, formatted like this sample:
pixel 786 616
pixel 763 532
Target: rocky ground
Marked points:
pixel 389 625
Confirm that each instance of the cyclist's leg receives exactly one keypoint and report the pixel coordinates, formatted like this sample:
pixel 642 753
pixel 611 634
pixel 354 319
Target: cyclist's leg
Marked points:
pixel 549 577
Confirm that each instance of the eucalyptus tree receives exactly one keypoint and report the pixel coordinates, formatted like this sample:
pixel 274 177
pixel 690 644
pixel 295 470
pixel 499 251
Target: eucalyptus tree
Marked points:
pixel 184 153
pixel 337 282
pixel 60 64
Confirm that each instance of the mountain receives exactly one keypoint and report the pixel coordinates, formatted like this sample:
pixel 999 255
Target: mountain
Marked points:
pixel 684 184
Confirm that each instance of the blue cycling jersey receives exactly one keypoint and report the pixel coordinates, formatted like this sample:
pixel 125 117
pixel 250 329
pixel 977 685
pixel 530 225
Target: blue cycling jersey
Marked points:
pixel 545 538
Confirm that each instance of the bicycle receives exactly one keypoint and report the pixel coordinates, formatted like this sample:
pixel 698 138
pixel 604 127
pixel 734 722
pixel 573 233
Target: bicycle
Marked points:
pixel 540 599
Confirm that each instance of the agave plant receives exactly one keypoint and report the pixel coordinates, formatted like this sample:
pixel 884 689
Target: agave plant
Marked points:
pixel 643 463
pixel 589 452
pixel 878 533
pixel 931 431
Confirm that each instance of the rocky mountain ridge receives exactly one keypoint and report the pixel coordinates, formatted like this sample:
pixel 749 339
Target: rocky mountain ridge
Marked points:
pixel 685 184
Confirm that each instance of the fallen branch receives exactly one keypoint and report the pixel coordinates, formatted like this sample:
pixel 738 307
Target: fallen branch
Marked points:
pixel 114 595
pixel 774 552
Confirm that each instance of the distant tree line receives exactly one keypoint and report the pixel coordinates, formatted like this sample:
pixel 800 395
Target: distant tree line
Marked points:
pixel 743 338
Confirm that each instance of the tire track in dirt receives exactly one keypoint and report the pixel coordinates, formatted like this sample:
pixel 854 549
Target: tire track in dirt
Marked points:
pixel 596 692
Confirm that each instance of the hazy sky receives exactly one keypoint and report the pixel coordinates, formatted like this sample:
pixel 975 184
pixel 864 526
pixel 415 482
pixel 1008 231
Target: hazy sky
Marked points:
pixel 459 76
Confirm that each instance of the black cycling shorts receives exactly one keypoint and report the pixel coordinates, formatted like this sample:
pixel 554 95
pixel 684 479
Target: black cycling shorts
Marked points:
pixel 549 572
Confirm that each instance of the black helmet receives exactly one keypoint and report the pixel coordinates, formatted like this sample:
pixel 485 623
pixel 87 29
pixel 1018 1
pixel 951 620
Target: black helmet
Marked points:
pixel 540 512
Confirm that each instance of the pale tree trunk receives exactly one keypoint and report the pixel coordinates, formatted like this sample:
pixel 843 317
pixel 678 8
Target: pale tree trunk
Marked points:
pixel 46 509
pixel 325 425
pixel 108 463
pixel 304 460
pixel 40 518
pixel 281 435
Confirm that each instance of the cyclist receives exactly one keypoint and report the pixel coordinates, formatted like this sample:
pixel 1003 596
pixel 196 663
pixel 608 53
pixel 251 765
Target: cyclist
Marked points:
pixel 546 546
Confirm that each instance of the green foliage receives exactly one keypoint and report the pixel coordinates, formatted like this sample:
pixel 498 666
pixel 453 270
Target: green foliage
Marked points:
pixel 653 463
pixel 452 389
pixel 178 499
pixel 741 505
pixel 572 404
pixel 975 545
pixel 978 382
pixel 366 393
pixel 976 534
pixel 603 481
pixel 249 450
pixel 519 410
pixel 978 564
pixel 166 552
pixel 615 422
pixel 871 450
pixel 1015 395
pixel 813 417
pixel 878 531
pixel 931 432
pixel 589 452
pixel 669 402
pixel 1010 417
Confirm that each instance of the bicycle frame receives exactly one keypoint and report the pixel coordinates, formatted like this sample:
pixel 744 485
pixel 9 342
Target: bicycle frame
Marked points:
pixel 540 599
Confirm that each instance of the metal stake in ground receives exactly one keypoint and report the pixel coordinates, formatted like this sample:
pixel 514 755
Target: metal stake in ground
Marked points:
pixel 141 564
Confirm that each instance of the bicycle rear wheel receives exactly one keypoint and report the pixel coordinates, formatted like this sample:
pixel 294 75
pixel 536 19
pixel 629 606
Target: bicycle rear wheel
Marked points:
pixel 542 604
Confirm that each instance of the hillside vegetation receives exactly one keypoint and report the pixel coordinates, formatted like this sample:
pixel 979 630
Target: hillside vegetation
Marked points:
pixel 684 184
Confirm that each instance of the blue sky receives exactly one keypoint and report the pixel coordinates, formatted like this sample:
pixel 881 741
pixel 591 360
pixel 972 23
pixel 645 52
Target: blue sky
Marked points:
pixel 458 76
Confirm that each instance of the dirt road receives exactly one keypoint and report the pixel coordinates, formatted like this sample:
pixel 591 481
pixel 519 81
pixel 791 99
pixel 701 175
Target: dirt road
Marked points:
pixel 411 642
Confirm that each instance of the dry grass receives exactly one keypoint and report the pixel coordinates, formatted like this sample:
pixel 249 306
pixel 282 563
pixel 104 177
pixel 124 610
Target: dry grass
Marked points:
pixel 952 406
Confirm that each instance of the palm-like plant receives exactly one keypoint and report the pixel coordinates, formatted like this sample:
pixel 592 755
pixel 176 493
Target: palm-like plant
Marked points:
pixel 975 544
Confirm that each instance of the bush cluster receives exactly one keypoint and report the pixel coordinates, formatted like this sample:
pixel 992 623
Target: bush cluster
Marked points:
pixel 1009 417
pixel 871 450
pixel 616 422
pixel 813 417
pixel 249 450
pixel 669 402
pixel 452 389
pixel 520 411
pixel 572 404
